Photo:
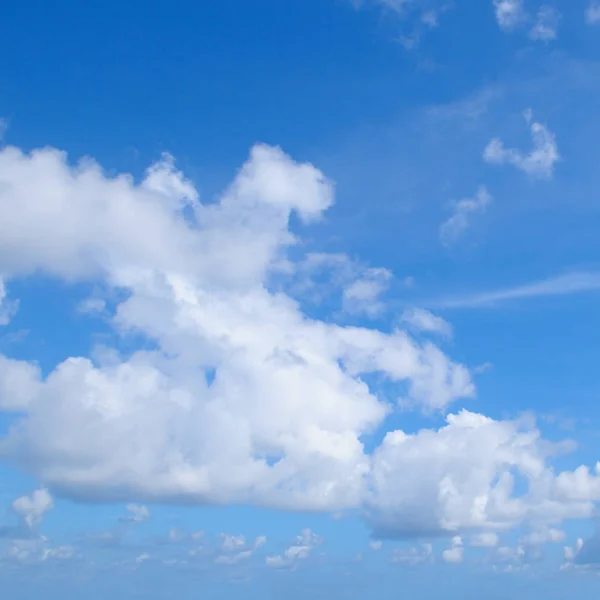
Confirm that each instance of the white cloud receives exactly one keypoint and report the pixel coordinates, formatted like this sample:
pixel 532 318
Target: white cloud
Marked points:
pixel 92 305
pixel 417 17
pixel 8 308
pixel 33 508
pixel 298 551
pixel 456 552
pixel 485 539
pixel 375 544
pixel 362 295
pixel 510 14
pixel 538 163
pixel 422 320
pixel 543 535
pixel 235 549
pixel 233 559
pixel 461 478
pixel 592 13
pixel 150 428
pixel 572 283
pixel 137 514
pixel 232 542
pixel 320 276
pixel 546 24
pixel 571 552
pixel 142 558
pixel 417 555
pixel 19 384
pixel 463 210
pixel 244 399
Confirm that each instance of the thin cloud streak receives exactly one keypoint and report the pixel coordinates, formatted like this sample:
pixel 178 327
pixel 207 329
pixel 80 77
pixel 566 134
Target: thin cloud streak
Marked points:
pixel 572 283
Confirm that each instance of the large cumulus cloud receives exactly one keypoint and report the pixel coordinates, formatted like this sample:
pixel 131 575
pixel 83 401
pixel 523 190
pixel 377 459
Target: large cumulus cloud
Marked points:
pixel 243 398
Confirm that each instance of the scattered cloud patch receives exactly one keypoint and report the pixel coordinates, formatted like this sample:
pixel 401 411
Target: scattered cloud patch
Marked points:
pixel 8 308
pixel 485 539
pixel 592 13
pixel 19 383
pixel 546 24
pixel 416 555
pixel 463 211
pixel 31 509
pixel 510 14
pixel 538 163
pixel 424 321
pixel 456 552
pixel 137 514
pixel 300 550
pixel 572 552
pixel 362 295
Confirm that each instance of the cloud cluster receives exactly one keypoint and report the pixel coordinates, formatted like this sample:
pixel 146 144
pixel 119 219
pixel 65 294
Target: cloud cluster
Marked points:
pixel 240 397
pixel 592 13
pixel 463 210
pixel 512 15
pixel 538 163
pixel 509 13
pixel 31 509
pixel 300 550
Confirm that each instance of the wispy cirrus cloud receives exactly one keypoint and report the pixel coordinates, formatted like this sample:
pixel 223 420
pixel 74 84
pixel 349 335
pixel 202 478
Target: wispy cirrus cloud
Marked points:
pixel 463 210
pixel 572 283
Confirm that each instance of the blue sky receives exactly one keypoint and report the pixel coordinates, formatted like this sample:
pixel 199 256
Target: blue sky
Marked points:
pixel 299 298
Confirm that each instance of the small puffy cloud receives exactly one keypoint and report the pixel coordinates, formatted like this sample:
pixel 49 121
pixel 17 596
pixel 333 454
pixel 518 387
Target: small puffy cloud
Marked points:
pixel 546 24
pixel 92 306
pixel 362 295
pixel 416 17
pixel 298 551
pixel 485 539
pixel 235 549
pixel 538 163
pixel 8 308
pixel 232 542
pixel 510 14
pixel 423 321
pixel 233 559
pixel 416 555
pixel 571 552
pixel 31 509
pixel 463 211
pixel 142 558
pixel 375 544
pixel 592 13
pixel 456 552
pixel 319 276
pixel 137 514
pixel 543 535
pixel 59 553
